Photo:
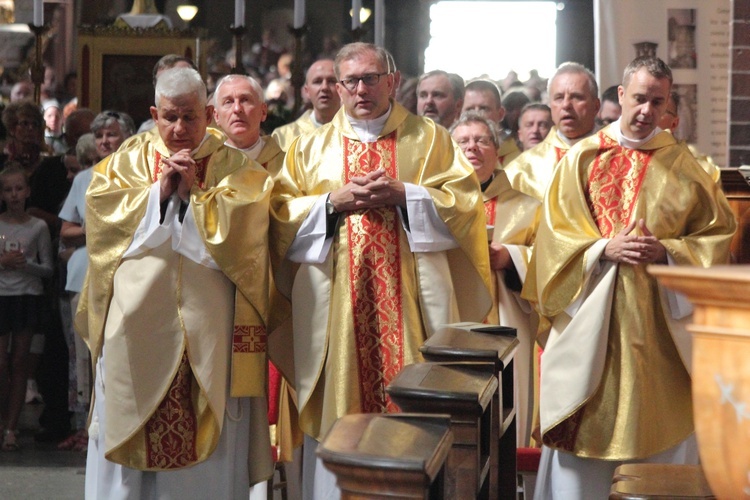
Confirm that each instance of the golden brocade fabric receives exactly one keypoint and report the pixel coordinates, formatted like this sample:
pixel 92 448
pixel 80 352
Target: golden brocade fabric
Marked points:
pixel 531 171
pixel 642 403
pixel 507 152
pixel 230 196
pixel 335 365
pixel 271 157
pixel 286 134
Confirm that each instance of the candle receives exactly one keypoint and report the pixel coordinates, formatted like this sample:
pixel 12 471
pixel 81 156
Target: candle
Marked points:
pixel 299 13
pixel 356 7
pixel 239 13
pixel 38 12
pixel 380 23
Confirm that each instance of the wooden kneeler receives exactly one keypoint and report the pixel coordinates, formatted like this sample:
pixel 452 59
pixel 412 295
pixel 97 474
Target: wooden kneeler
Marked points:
pixel 388 456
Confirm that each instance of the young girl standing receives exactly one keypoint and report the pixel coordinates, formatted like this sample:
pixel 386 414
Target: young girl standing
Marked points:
pixel 25 258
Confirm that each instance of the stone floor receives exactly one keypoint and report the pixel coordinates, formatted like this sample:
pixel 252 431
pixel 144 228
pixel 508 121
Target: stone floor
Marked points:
pixel 40 471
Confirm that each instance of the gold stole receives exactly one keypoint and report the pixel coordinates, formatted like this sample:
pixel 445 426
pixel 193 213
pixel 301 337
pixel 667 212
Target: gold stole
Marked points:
pixel 374 277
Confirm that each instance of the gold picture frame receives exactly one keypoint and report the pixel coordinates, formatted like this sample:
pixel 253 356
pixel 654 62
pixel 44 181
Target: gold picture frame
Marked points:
pixel 115 65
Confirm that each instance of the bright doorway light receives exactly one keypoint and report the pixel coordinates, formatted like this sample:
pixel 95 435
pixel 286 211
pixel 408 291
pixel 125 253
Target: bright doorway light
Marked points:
pixel 473 38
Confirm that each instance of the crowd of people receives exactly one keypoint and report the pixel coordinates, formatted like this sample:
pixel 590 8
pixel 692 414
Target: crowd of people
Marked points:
pixel 338 243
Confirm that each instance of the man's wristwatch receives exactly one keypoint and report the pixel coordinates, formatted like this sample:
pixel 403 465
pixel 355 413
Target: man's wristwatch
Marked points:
pixel 330 209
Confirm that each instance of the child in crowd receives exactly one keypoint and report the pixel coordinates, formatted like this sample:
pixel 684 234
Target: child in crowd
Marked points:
pixel 25 258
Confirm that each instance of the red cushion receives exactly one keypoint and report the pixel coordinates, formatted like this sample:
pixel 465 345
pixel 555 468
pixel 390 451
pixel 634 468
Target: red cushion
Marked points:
pixel 527 459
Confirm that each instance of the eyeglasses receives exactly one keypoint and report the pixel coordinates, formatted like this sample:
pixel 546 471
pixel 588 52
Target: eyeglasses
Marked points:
pixel 370 79
pixel 481 140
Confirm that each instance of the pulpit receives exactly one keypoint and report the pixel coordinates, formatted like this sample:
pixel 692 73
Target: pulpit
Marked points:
pixel 495 345
pixel 395 456
pixel 465 392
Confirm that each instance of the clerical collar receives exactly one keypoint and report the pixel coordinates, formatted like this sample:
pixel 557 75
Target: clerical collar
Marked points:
pixel 314 120
pixel 629 143
pixel 253 152
pixel 484 185
pixel 572 142
pixel 369 130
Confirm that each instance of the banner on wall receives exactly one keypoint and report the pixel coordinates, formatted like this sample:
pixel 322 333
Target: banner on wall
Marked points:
pixel 692 36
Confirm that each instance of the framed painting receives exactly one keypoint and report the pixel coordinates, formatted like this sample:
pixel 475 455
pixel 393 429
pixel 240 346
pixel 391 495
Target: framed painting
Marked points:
pixel 115 66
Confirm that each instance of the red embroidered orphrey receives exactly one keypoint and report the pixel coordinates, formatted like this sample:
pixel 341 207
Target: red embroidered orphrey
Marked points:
pixel 201 166
pixel 375 278
pixel 172 430
pixel 490 208
pixel 249 338
pixel 614 184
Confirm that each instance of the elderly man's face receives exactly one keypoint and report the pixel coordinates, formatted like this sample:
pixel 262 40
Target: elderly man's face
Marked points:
pixel 533 127
pixel 484 103
pixel 573 105
pixel 239 112
pixel 362 100
pixel 320 86
pixel 475 140
pixel 182 121
pixel 643 103
pixel 435 100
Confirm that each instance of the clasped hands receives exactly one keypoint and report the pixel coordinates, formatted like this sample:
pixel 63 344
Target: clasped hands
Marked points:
pixel 632 249
pixel 177 174
pixel 374 190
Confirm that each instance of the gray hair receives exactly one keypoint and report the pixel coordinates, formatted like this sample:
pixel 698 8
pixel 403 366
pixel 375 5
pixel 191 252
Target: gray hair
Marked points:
pixel 257 89
pixel 484 85
pixel 179 82
pixel 655 67
pixel 106 118
pixel 576 68
pixel 357 49
pixel 86 151
pixel 457 83
pixel 473 117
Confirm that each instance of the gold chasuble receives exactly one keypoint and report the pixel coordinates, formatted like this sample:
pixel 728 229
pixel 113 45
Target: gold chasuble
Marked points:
pixel 362 314
pixel 633 398
pixel 271 157
pixel 532 170
pixel 286 134
pixel 180 336
pixel 514 217
pixel 507 152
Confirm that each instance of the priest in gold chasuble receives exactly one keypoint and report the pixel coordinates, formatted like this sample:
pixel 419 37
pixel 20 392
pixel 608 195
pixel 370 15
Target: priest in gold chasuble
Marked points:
pixel 378 235
pixel 512 218
pixel 615 377
pixel 174 309
pixel 574 103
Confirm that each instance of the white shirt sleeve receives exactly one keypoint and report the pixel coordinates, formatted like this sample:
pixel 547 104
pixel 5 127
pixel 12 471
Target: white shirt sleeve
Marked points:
pixel 427 231
pixel 184 236
pixel 310 245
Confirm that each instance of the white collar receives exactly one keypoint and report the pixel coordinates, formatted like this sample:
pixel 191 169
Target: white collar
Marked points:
pixel 629 143
pixel 253 152
pixel 369 130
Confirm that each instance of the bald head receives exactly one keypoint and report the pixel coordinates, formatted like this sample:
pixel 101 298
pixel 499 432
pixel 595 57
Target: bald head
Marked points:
pixel 320 88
